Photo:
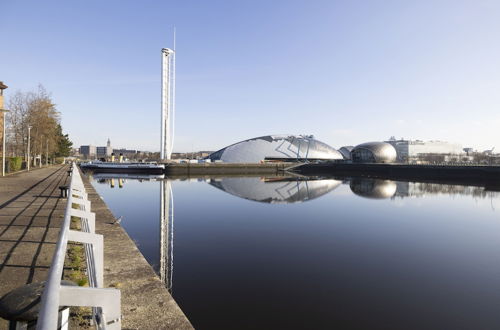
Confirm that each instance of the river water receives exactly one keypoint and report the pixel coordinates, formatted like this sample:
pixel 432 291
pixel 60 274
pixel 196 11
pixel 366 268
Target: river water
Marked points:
pixel 289 253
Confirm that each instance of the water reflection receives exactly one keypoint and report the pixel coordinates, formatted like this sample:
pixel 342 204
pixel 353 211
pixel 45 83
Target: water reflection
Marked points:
pixel 230 256
pixel 420 189
pixel 275 189
pixel 278 190
pixel 373 188
pixel 121 178
pixel 166 233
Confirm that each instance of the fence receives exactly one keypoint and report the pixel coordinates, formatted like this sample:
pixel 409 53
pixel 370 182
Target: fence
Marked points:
pixel 105 303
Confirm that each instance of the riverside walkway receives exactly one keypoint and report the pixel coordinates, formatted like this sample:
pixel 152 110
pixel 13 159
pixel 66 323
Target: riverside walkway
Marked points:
pixel 31 213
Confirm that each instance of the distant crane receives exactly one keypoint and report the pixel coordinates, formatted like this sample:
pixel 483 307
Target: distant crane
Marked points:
pixel 489 152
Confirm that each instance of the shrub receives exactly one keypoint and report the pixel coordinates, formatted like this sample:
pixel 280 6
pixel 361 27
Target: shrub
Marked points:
pixel 15 164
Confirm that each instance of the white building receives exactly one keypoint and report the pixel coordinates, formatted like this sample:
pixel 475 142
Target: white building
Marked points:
pixel 412 149
pixel 276 148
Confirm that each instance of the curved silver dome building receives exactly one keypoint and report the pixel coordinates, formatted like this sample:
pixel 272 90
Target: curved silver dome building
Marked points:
pixel 374 152
pixel 278 148
pixel 275 190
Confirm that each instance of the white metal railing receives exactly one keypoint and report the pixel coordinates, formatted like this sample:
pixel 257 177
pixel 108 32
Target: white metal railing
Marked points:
pixel 105 302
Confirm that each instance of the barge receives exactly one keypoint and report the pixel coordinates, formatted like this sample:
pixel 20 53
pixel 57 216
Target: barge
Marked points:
pixel 112 167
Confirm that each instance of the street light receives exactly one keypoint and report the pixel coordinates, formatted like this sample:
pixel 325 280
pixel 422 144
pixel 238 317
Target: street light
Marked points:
pixel 3 141
pixel 29 141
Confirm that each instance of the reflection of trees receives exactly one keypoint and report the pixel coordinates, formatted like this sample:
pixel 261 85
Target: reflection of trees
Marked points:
pixel 420 189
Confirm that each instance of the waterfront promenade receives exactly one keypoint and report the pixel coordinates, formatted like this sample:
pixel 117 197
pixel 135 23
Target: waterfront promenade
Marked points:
pixel 31 213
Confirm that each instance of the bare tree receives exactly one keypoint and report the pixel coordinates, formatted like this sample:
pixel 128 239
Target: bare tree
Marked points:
pixel 38 111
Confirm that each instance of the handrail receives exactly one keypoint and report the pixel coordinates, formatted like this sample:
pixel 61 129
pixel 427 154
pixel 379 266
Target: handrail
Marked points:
pixel 107 301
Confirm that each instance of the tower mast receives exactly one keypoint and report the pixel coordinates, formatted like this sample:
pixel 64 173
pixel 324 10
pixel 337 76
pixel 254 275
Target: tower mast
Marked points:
pixel 167 102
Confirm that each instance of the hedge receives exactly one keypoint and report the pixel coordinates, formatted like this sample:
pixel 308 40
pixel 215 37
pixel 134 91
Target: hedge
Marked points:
pixel 15 164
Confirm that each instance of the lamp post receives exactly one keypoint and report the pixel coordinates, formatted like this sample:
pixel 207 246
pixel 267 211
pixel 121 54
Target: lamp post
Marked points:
pixel 41 146
pixel 3 141
pixel 2 87
pixel 29 141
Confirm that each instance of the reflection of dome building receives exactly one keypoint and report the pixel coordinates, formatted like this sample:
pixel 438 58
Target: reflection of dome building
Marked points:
pixel 374 152
pixel 373 188
pixel 276 147
pixel 275 190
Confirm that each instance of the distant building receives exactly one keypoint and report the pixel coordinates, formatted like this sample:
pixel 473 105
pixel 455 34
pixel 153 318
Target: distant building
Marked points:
pixel 125 152
pixel 413 149
pixel 88 151
pixel 103 152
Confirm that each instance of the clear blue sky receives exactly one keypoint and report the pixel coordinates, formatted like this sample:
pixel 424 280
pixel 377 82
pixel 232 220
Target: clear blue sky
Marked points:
pixel 346 71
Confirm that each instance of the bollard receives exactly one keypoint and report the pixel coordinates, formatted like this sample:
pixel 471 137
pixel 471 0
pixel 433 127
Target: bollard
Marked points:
pixel 63 191
pixel 21 306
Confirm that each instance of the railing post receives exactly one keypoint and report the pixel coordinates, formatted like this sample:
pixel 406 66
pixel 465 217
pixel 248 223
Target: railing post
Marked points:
pixel 55 294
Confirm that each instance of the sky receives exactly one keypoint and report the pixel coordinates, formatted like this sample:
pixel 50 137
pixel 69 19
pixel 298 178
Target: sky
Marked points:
pixel 347 72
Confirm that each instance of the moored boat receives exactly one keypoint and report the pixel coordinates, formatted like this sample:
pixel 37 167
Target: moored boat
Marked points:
pixel 112 167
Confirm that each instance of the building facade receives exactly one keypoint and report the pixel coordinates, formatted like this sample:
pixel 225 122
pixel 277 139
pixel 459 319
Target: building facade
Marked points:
pixel 277 148
pixel 88 151
pixel 409 150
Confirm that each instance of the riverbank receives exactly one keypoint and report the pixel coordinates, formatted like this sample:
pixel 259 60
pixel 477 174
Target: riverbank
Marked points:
pixel 459 174
pixel 189 169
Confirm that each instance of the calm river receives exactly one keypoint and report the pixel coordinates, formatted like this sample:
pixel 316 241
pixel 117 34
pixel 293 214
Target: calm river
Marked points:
pixel 283 253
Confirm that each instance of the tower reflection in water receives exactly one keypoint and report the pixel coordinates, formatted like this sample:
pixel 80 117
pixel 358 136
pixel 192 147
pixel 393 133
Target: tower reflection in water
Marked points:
pixel 267 190
pixel 166 234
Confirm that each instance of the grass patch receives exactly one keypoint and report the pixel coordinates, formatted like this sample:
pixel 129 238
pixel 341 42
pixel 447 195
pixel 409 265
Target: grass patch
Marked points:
pixel 75 269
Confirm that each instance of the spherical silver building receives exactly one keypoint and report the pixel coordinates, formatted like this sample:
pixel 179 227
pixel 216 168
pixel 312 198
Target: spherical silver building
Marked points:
pixel 276 148
pixel 374 152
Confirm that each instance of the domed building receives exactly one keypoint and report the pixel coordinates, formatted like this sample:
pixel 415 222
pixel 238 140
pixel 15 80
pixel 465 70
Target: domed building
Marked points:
pixel 374 152
pixel 276 148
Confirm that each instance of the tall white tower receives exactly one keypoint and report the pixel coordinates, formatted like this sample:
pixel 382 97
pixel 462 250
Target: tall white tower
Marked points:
pixel 167 102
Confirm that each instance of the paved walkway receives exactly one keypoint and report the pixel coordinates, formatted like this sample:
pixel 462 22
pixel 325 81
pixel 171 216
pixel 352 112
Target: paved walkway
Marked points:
pixel 31 214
